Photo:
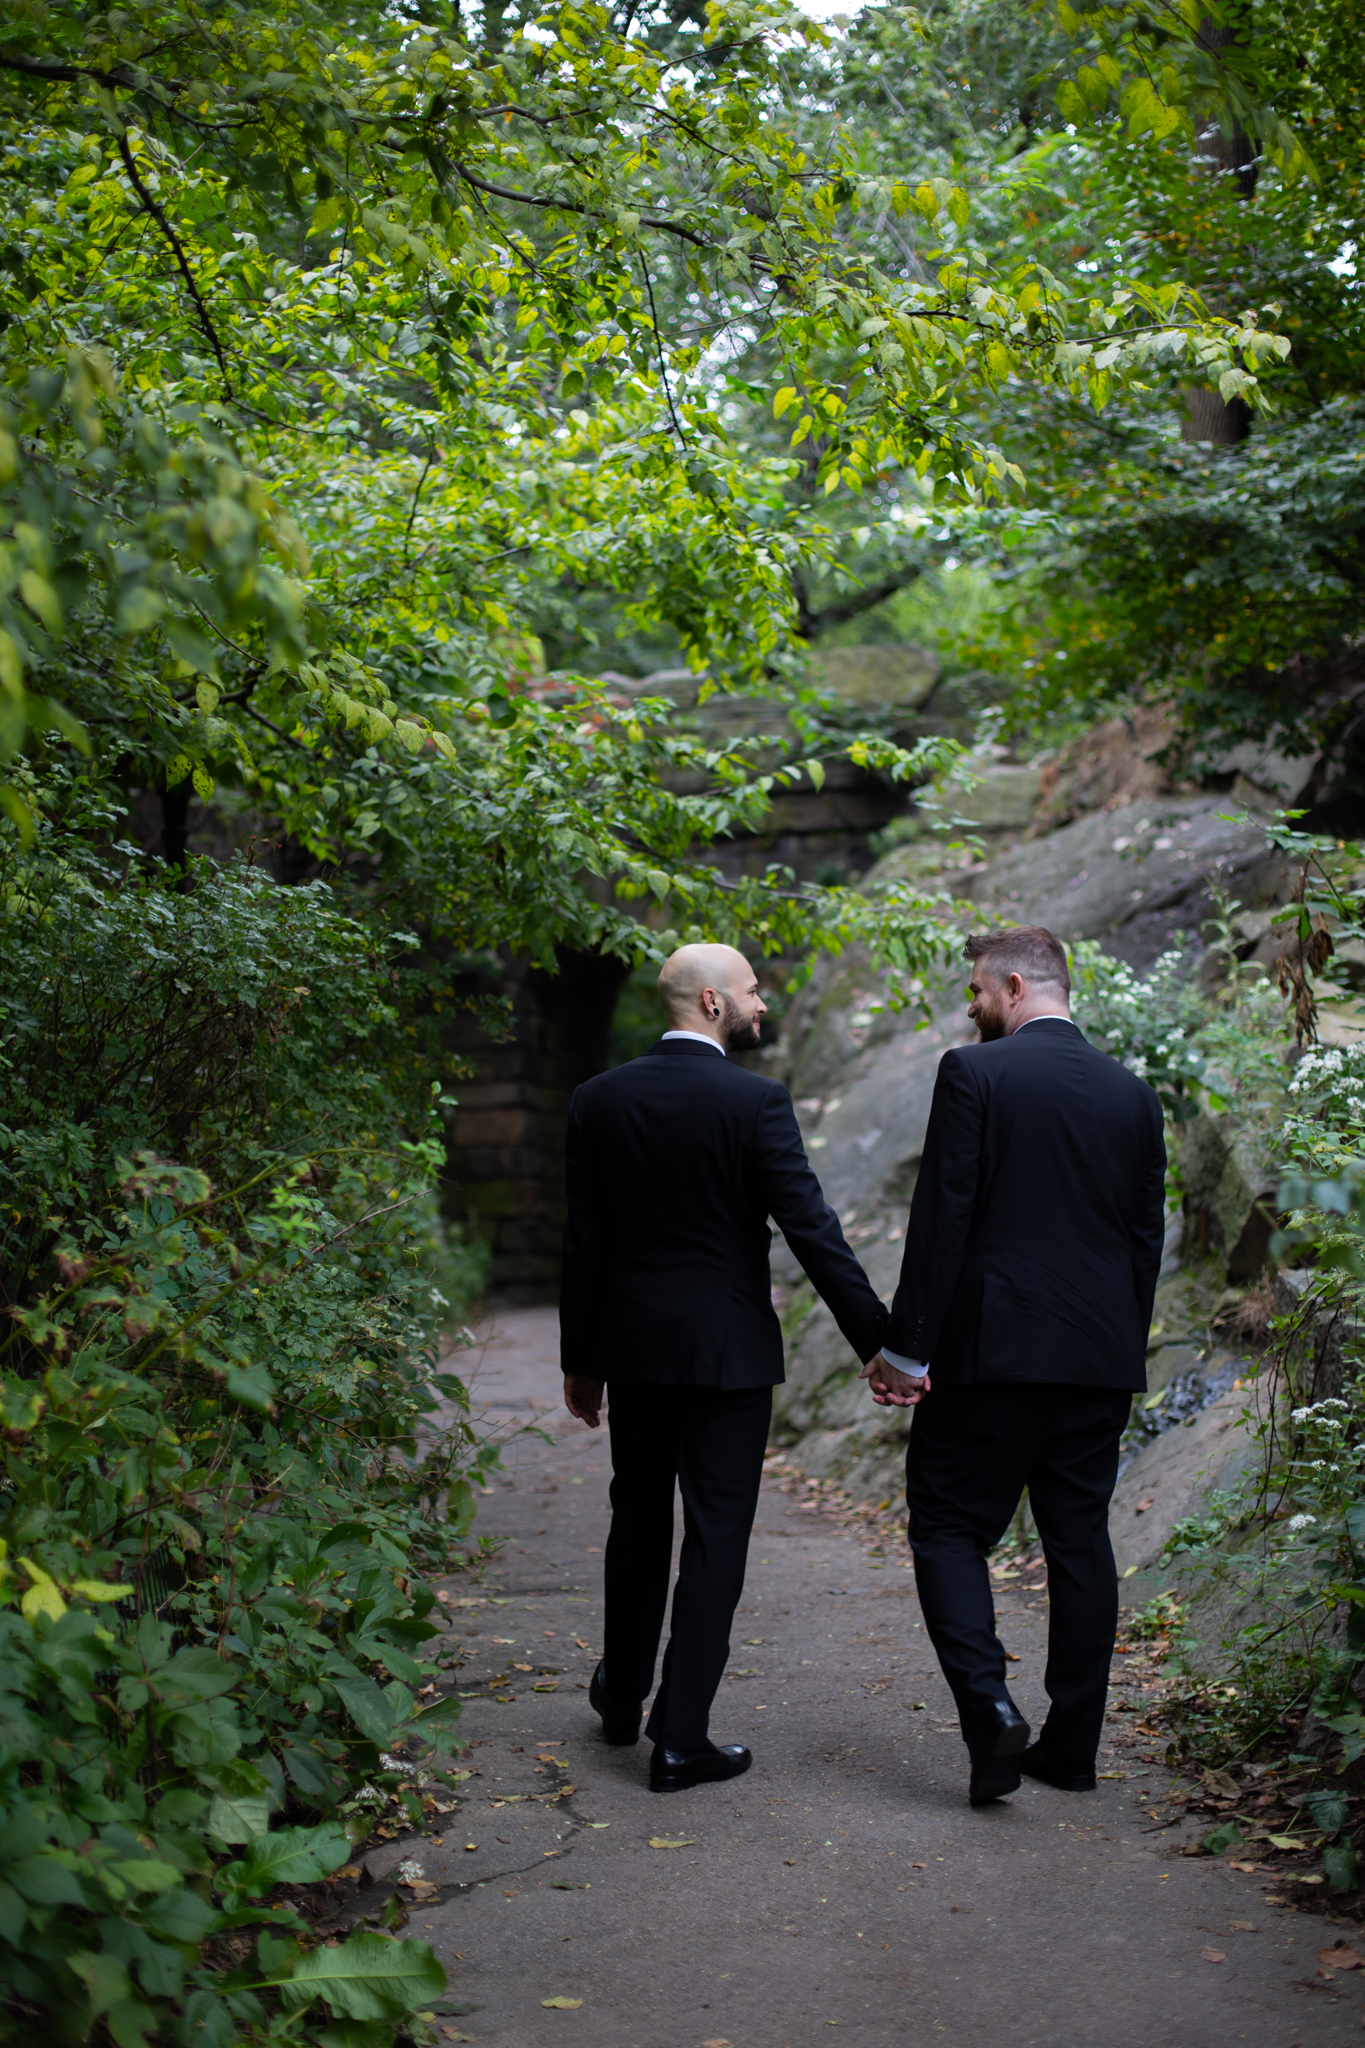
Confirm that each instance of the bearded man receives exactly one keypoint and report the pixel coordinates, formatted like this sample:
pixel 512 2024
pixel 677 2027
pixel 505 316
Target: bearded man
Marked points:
pixel 674 1163
pixel 1030 1264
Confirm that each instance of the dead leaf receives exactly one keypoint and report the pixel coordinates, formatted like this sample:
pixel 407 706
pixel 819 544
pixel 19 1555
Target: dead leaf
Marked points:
pixel 1221 1783
pixel 421 1890
pixel 580 1642
pixel 1285 1842
pixel 1296 1878
pixel 1213 1955
pixel 719 2042
pixel 1242 1926
pixel 672 1842
pixel 1341 1958
pixel 452 2034
pixel 1250 1870
pixel 563 2004
pixel 1143 1505
pixel 1012 1657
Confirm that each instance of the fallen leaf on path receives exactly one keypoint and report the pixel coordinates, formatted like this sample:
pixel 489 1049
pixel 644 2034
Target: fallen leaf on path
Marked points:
pixel 717 2043
pixel 1309 1878
pixel 451 2035
pixel 563 2004
pixel 672 1842
pixel 1250 1870
pixel 422 1890
pixel 1242 1926
pixel 1143 1506
pixel 1012 1657
pixel 471 1846
pixel 1341 1958
pixel 1285 1842
pixel 579 1642
pixel 1213 1955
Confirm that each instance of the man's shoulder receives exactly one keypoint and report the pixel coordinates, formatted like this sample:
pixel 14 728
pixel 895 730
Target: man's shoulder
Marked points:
pixel 682 1070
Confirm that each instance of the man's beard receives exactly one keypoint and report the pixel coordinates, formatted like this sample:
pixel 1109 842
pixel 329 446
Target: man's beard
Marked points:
pixel 990 1020
pixel 740 1034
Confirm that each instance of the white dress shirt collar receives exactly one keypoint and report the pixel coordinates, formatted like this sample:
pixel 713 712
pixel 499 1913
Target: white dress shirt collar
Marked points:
pixel 700 1037
pixel 1050 1017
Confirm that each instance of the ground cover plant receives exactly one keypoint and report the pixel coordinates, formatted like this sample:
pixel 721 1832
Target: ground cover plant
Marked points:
pixel 224 1488
pixel 1260 1639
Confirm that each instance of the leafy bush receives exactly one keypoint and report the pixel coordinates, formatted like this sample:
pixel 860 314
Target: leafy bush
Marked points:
pixel 224 1462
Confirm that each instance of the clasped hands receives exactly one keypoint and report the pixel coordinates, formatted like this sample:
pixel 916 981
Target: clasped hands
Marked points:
pixel 892 1388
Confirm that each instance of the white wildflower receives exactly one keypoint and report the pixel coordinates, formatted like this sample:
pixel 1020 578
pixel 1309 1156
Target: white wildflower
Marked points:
pixel 1297 1522
pixel 409 1871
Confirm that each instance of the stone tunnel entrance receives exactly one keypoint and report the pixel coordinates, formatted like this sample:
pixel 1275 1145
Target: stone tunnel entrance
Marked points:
pixel 506 1152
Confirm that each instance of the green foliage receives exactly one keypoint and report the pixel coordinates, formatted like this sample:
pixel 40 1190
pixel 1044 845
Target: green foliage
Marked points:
pixel 224 1465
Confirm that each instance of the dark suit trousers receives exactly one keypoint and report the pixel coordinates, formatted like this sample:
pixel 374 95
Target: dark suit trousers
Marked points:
pixel 973 1450
pixel 711 1443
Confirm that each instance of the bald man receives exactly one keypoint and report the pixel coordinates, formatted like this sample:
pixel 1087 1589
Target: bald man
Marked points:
pixel 674 1164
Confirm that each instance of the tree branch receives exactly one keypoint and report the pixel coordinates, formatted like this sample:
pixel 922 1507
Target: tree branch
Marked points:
pixel 150 206
pixel 667 227
pixel 811 624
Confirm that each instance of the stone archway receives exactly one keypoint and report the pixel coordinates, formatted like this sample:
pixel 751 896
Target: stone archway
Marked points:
pixel 506 1150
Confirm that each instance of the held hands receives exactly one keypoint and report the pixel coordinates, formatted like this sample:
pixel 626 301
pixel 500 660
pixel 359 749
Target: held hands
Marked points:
pixel 892 1388
pixel 583 1398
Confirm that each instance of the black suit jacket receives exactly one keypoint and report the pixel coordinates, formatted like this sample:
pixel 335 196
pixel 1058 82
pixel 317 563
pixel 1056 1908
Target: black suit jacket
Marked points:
pixel 1038 1216
pixel 674 1163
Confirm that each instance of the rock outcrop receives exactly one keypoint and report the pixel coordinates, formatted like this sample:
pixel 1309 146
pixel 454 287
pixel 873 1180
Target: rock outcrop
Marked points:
pixel 1140 878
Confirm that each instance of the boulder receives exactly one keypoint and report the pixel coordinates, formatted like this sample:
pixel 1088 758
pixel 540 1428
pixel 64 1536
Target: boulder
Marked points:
pixel 1003 800
pixel 1138 878
pixel 1173 1475
pixel 1231 1177
pixel 896 679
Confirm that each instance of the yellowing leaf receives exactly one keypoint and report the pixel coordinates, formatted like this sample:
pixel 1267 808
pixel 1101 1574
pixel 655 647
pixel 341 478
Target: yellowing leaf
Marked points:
pixel 42 1596
pixel 671 1841
pixel 41 598
pixel 784 399
pixel 93 1589
pixel 563 2004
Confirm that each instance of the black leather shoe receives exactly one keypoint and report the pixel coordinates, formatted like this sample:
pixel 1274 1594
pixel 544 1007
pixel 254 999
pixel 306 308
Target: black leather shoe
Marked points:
pixel 617 1728
pixel 673 1770
pixel 995 1744
pixel 1056 1770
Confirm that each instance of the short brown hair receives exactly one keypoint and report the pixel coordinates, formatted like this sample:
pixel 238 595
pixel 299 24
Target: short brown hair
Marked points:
pixel 1023 949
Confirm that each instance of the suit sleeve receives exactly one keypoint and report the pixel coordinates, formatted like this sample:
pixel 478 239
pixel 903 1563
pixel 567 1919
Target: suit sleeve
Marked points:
pixel 940 1213
pixel 798 1207
pixel 1147 1231
pixel 580 1284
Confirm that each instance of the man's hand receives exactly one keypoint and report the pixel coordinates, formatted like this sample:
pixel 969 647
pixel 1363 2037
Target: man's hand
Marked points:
pixel 583 1398
pixel 892 1388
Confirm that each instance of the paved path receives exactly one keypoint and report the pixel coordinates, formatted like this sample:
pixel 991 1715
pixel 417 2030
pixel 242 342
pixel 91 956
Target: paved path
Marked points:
pixel 843 1891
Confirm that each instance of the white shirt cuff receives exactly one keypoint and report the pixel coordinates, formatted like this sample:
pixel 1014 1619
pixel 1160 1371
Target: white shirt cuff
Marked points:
pixel 914 1367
